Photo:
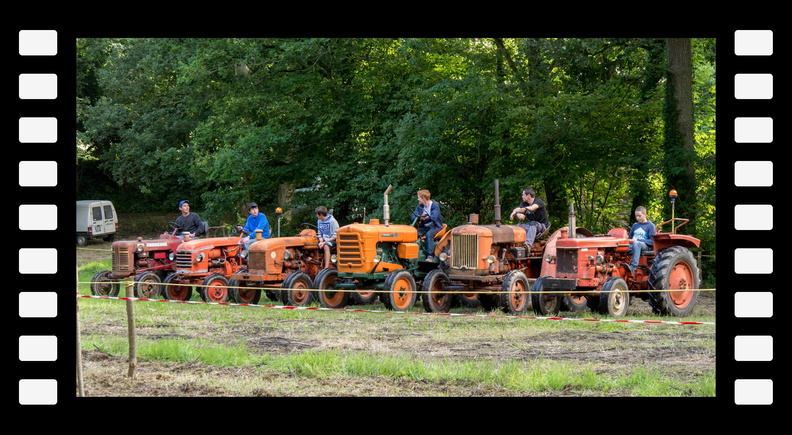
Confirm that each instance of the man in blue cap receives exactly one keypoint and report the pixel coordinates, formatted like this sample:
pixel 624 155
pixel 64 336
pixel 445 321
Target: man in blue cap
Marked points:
pixel 188 222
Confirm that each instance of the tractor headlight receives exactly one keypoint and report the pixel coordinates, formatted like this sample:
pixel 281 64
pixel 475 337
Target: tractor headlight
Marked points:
pixel 443 256
pixel 600 259
pixel 171 256
pixel 550 258
pixel 333 258
pixel 139 247
pixel 377 258
pixel 244 253
pixel 286 255
pixel 490 259
pixel 199 258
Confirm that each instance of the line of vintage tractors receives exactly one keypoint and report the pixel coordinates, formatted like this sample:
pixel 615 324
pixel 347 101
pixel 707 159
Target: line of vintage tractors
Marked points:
pixel 569 268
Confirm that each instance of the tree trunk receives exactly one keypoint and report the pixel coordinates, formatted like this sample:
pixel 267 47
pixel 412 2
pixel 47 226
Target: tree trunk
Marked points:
pixel 680 152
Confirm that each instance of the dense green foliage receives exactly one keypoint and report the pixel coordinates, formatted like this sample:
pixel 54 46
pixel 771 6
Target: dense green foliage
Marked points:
pixel 297 123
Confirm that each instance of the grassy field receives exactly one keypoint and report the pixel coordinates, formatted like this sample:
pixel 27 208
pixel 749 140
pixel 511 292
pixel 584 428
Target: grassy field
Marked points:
pixel 196 349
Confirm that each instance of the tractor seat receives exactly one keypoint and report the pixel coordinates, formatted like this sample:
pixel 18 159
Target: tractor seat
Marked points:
pixel 442 232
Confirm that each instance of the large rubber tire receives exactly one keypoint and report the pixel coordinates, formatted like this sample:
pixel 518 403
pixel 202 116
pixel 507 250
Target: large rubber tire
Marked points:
pixel 103 285
pixel 675 269
pixel 148 285
pixel 215 289
pixel 574 303
pixel 488 301
pixel 514 297
pixel 434 299
pixel 615 297
pixel 469 300
pixel 296 289
pixel 544 303
pixel 398 291
pixel 173 292
pixel 240 294
pixel 324 282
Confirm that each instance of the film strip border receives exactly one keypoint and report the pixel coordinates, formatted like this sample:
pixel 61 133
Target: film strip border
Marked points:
pixel 750 238
pixel 45 190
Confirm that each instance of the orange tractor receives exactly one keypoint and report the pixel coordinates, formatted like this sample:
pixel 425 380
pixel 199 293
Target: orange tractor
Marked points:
pixel 290 263
pixel 206 263
pixel 597 268
pixel 377 260
pixel 147 262
pixel 489 261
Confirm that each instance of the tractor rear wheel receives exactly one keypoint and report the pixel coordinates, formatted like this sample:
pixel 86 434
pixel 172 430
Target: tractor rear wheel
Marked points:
pixel 215 289
pixel 675 269
pixel 544 303
pixel 434 299
pixel 174 290
pixel 242 295
pixel 615 298
pixel 514 296
pixel 296 289
pixel 147 285
pixel 399 291
pixel 364 298
pixel 103 285
pixel 325 283
pixel 574 303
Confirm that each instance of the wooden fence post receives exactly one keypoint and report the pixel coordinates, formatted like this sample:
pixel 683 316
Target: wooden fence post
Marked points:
pixel 130 309
pixel 80 385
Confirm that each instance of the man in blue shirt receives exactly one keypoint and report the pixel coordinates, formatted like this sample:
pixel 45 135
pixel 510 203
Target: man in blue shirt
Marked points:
pixel 640 236
pixel 430 220
pixel 256 221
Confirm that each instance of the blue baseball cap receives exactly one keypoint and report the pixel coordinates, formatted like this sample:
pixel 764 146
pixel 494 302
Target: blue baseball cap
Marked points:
pixel 182 202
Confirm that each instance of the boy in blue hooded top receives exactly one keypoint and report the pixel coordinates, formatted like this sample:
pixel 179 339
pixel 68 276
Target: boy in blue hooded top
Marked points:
pixel 256 221
pixel 640 235
pixel 326 232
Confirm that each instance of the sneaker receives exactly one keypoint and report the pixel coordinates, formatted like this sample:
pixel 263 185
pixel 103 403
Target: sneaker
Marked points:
pixel 430 258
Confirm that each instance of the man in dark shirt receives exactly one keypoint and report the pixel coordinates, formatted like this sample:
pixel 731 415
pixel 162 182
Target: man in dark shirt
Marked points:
pixel 532 215
pixel 188 222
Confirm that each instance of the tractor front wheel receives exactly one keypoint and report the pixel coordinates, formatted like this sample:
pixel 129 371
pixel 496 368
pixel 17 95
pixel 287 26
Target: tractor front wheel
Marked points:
pixel 399 291
pixel 147 285
pixel 514 293
pixel 296 289
pixel 325 283
pixel 615 298
pixel 215 289
pixel 103 285
pixel 434 299
pixel 173 289
pixel 544 303
pixel 240 294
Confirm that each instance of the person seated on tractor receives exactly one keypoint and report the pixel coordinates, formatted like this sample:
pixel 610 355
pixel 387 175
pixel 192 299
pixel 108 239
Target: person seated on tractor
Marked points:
pixel 532 215
pixel 256 221
pixel 640 236
pixel 187 222
pixel 326 226
pixel 430 220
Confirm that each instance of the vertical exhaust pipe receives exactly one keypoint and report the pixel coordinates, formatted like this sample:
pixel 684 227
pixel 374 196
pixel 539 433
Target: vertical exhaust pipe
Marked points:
pixel 497 204
pixel 386 207
pixel 572 221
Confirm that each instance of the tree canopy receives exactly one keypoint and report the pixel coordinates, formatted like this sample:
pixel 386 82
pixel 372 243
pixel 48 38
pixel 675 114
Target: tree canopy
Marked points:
pixel 298 123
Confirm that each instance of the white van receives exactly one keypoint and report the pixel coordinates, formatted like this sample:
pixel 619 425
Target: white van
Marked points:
pixel 95 219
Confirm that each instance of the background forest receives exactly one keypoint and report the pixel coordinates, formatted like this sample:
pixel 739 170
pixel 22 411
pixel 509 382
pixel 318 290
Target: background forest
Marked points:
pixel 608 124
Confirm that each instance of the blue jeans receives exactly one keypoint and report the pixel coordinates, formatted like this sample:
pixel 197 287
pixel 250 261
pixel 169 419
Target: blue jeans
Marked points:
pixel 635 249
pixel 430 233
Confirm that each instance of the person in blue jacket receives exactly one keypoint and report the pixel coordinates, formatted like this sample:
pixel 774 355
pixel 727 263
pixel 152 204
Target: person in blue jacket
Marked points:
pixel 256 221
pixel 640 236
pixel 327 227
pixel 430 220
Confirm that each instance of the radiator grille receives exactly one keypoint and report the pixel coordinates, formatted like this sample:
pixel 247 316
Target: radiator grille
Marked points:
pixel 184 260
pixel 257 260
pixel 349 249
pixel 121 259
pixel 567 260
pixel 464 251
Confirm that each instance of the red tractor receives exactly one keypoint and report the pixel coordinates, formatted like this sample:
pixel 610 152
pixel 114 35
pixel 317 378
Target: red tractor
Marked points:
pixel 597 268
pixel 207 263
pixel 490 262
pixel 148 262
pixel 290 263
